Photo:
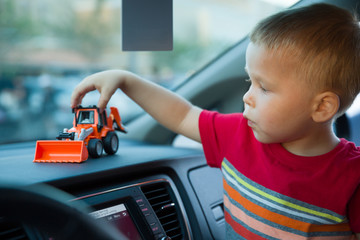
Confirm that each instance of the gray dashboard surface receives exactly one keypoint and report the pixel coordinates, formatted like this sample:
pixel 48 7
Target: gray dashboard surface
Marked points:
pixel 17 166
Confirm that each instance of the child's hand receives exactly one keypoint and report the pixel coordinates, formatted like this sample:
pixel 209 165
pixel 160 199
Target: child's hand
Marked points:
pixel 106 83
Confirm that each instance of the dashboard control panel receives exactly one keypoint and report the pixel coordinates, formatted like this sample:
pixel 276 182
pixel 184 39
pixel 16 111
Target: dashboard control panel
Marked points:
pixel 146 210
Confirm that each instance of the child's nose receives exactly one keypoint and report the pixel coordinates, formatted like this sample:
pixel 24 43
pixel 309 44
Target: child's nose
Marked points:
pixel 249 98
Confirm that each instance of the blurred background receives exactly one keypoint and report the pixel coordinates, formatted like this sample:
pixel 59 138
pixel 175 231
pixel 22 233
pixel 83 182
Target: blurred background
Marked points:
pixel 48 46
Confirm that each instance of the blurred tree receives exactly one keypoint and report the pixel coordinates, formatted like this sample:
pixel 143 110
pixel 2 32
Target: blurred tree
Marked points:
pixel 14 28
pixel 90 33
pixel 181 60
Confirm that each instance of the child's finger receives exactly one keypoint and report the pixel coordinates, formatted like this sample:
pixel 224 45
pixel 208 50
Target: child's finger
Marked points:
pixel 78 101
pixel 79 93
pixel 104 99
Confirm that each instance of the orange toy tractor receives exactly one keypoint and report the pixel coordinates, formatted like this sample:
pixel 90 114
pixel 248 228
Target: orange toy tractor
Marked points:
pixel 92 132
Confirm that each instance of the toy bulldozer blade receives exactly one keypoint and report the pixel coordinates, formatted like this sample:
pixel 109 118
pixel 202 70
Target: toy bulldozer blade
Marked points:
pixel 60 151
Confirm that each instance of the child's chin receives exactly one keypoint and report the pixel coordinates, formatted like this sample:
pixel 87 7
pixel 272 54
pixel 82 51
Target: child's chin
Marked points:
pixel 263 139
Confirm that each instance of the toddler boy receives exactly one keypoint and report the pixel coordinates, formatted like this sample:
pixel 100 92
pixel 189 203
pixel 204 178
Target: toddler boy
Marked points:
pixel 286 174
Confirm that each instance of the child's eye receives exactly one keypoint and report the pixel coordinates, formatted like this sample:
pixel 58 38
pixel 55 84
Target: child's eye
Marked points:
pixel 263 89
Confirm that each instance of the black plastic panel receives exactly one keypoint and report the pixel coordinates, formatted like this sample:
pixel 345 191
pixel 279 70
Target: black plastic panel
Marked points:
pixel 207 184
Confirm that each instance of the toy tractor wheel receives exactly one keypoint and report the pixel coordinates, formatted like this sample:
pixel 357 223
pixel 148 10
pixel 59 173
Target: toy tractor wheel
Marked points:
pixel 95 148
pixel 111 143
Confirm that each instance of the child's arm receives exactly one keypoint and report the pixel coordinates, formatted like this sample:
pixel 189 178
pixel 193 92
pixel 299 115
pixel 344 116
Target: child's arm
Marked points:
pixel 166 107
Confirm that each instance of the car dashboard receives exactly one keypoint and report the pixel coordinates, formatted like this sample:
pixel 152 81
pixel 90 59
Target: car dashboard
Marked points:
pixel 146 191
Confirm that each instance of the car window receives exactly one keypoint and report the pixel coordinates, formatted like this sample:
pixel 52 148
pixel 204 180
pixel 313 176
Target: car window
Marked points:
pixel 47 47
pixel 86 117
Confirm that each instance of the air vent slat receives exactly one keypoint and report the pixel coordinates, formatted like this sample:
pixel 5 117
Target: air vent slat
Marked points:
pixel 174 229
pixel 159 204
pixel 167 216
pixel 159 197
pixel 168 223
pixel 177 236
pixel 156 191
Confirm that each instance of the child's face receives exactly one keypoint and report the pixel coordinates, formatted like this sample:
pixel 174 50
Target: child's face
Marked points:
pixel 278 104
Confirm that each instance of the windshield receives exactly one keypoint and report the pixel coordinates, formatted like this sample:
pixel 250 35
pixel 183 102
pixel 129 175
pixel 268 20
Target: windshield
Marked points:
pixel 86 117
pixel 47 47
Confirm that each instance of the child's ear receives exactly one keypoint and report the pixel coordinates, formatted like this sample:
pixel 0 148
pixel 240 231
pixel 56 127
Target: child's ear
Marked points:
pixel 326 105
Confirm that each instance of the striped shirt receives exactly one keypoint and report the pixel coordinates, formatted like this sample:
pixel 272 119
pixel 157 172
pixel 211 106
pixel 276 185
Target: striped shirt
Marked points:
pixel 259 213
pixel 290 198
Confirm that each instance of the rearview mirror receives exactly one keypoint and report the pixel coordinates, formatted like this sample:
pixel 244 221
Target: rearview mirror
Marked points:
pixel 147 25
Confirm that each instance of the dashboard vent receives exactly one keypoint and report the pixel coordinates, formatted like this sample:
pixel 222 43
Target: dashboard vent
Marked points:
pixel 11 231
pixel 162 201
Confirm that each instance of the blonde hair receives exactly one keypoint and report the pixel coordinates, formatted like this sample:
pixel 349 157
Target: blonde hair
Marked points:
pixel 325 42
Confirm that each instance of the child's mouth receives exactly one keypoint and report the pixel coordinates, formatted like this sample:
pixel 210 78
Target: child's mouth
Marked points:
pixel 251 123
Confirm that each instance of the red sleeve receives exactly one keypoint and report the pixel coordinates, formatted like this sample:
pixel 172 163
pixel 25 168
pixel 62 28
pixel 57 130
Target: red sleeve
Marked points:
pixel 354 211
pixel 217 132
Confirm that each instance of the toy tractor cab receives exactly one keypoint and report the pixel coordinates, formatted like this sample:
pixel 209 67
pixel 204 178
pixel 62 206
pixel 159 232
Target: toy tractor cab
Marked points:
pixel 92 132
